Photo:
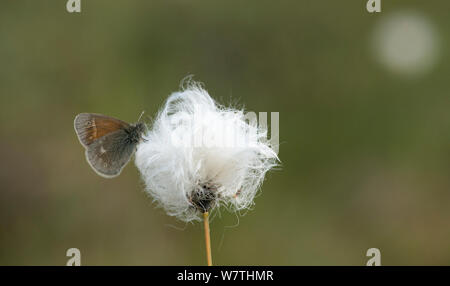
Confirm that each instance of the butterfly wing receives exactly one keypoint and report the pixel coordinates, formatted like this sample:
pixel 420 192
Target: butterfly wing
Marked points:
pixel 90 127
pixel 110 153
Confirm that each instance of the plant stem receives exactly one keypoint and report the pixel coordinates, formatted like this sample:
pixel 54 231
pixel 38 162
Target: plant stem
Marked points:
pixel 207 238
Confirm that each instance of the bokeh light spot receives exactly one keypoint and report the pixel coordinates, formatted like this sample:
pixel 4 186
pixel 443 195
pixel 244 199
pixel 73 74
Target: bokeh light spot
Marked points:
pixel 406 43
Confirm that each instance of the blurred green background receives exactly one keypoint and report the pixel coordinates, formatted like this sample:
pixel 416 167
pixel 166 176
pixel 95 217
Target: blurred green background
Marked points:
pixel 365 151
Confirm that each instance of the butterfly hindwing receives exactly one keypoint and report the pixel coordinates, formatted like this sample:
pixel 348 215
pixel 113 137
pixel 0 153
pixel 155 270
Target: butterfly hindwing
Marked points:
pixel 109 154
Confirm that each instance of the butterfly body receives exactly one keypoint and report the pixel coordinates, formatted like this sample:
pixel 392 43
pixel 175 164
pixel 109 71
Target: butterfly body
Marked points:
pixel 109 142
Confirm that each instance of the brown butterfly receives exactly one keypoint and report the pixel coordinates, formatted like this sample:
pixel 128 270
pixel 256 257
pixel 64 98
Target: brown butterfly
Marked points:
pixel 109 142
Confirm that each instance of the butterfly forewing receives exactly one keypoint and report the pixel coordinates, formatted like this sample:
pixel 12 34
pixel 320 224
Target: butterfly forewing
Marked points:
pixel 90 127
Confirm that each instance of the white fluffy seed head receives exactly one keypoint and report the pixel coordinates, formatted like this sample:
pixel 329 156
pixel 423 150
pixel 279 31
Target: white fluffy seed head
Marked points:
pixel 199 155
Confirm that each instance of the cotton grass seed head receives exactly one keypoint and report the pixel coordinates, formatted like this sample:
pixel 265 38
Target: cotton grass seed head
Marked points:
pixel 199 155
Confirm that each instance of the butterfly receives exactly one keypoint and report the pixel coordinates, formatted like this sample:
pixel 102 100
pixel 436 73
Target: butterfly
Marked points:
pixel 109 142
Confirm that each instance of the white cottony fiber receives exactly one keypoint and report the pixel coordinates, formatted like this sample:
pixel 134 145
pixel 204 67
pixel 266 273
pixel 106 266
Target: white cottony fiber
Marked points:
pixel 196 144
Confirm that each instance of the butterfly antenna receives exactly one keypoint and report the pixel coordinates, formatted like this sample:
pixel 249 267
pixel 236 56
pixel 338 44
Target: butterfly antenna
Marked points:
pixel 140 116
